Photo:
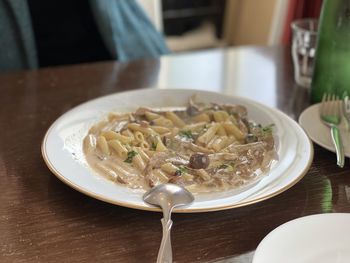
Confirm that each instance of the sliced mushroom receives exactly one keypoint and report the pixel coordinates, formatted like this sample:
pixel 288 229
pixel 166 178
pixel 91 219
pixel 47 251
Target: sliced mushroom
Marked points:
pixel 199 161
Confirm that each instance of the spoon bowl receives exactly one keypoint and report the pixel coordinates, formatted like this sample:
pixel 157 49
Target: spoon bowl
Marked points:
pixel 171 195
pixel 167 196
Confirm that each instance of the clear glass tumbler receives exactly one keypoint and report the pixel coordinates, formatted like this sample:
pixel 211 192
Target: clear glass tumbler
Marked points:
pixel 303 50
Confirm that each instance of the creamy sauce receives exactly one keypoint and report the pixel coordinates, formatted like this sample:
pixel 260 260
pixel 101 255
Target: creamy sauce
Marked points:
pixel 205 148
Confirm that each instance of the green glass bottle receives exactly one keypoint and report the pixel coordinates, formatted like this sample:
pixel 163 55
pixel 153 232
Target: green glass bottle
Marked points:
pixel 332 59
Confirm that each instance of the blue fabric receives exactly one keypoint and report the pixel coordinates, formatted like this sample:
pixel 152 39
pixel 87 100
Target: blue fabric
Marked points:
pixel 124 27
pixel 16 36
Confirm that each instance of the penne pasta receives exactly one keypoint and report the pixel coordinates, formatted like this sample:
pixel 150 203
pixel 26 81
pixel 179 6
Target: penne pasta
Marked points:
pixel 219 143
pixel 160 129
pixel 119 171
pixel 230 128
pixel 128 133
pixel 210 143
pixel 221 131
pixel 203 174
pixel 175 119
pixel 163 122
pixel 229 141
pixel 220 116
pixel 144 145
pixel 111 135
pixel 209 134
pixel 107 172
pixel 203 117
pixel 169 168
pixel 138 162
pixel 121 151
pixel 203 147
pixel 137 127
pixel 197 127
pixel 101 144
pixel 113 116
pixel 160 175
pixel 150 116
pixel 139 136
pixel 200 149
pixel 160 147
pixel 187 177
pixel 143 154
pixel 89 142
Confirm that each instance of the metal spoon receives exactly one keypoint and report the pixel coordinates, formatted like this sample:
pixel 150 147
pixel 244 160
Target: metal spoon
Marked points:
pixel 167 196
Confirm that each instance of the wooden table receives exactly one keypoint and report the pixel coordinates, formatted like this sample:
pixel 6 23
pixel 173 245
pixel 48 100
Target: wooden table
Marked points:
pixel 43 220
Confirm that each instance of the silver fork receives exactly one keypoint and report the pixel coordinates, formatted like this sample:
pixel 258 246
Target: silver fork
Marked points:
pixel 346 112
pixel 330 115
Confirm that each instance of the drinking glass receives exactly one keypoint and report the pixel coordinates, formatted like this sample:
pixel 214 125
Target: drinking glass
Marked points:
pixel 303 50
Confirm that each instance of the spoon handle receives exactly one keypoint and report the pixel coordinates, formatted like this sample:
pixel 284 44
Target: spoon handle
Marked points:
pixel 165 254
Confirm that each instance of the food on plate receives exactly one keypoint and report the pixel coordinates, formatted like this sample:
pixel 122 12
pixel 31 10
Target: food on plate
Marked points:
pixel 204 147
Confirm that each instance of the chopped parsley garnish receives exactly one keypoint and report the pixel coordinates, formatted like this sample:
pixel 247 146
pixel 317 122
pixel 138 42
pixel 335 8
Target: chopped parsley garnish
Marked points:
pixel 205 128
pixel 267 130
pixel 223 166
pixel 208 108
pixel 181 170
pixel 131 154
pixel 153 146
pixel 187 134
pixel 229 167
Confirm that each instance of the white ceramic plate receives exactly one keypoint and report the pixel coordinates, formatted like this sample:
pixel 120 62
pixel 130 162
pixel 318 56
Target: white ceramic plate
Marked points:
pixel 62 149
pixel 320 238
pixel 320 133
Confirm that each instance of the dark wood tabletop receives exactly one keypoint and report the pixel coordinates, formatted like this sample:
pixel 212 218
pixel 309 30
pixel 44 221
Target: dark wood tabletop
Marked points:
pixel 44 220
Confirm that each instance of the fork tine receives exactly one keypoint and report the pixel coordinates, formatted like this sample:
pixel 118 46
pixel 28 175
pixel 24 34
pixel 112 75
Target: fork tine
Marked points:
pixel 346 111
pixel 346 103
pixel 339 106
pixel 323 103
pixel 333 105
pixel 328 104
pixel 330 115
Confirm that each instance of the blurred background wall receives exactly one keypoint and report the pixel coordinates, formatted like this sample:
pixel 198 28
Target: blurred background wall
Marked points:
pixel 199 24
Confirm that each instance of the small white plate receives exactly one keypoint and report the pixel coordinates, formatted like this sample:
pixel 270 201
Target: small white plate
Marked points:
pixel 322 238
pixel 62 149
pixel 320 133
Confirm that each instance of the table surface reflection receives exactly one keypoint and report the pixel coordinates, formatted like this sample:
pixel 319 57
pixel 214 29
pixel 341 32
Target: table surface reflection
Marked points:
pixel 43 220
